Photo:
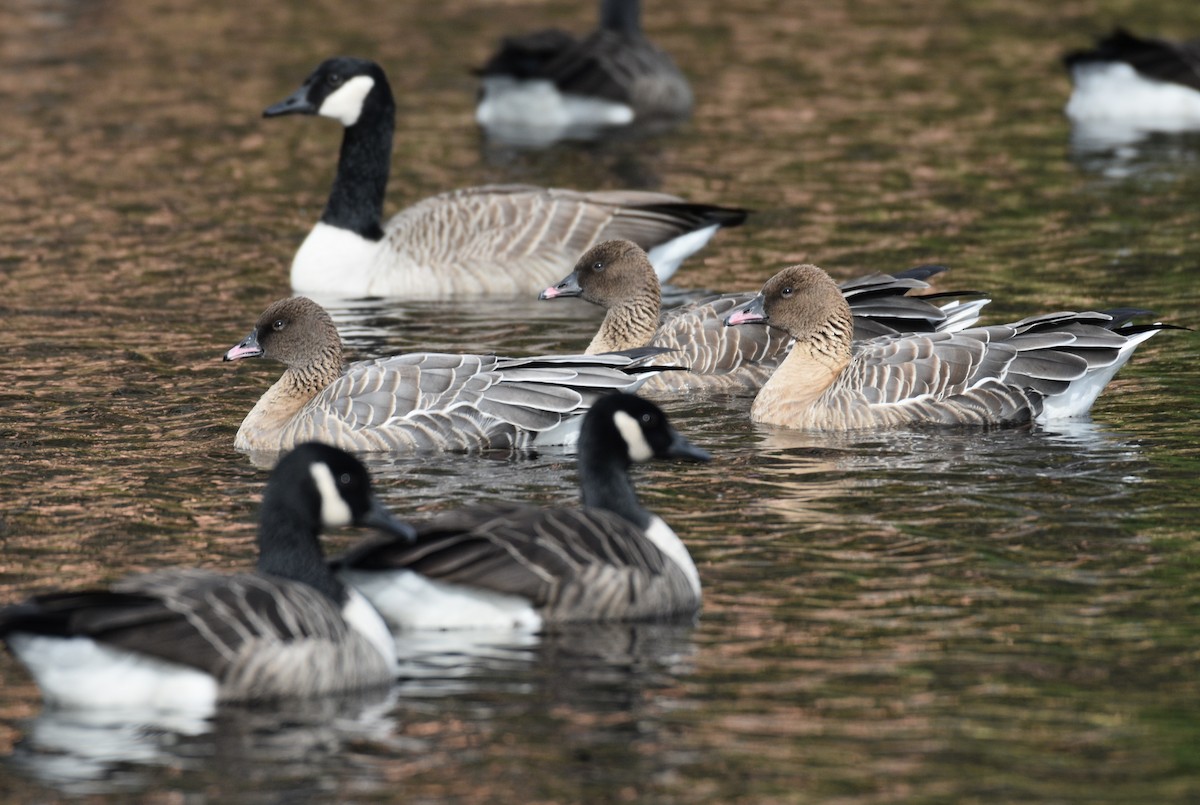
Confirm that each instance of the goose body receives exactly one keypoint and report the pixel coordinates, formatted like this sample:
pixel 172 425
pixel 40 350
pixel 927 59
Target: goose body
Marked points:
pixel 1038 369
pixel 618 276
pixel 419 401
pixel 548 85
pixel 187 639
pixel 496 240
pixel 1126 78
pixel 515 566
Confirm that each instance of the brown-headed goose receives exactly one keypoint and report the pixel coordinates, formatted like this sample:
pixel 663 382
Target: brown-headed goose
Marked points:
pixel 515 566
pixel 1151 83
pixel 548 85
pixel 419 401
pixel 618 276
pixel 501 240
pixel 1040 368
pixel 186 639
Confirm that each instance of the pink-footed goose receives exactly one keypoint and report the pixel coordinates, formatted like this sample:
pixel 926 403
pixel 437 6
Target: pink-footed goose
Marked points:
pixel 617 275
pixel 418 401
pixel 496 240
pixel 1038 369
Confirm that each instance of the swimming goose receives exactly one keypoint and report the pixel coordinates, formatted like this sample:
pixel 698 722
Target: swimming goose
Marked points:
pixel 419 401
pixel 1040 368
pixel 1126 77
pixel 618 276
pixel 549 80
pixel 185 639
pixel 516 566
pixel 492 240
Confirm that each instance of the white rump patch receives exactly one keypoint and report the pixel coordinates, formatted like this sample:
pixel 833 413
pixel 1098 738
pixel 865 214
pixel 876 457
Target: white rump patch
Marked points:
pixel 635 439
pixel 529 104
pixel 79 672
pixel 1115 91
pixel 667 541
pixel 346 103
pixel 335 512
pixel 666 257
pixel 362 617
pixel 410 601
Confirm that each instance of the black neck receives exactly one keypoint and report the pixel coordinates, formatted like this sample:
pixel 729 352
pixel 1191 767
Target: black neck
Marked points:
pixel 623 16
pixel 356 201
pixel 604 479
pixel 289 547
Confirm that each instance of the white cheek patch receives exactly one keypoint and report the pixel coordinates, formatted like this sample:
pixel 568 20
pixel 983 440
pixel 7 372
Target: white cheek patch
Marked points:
pixel 346 103
pixel 335 512
pixel 635 440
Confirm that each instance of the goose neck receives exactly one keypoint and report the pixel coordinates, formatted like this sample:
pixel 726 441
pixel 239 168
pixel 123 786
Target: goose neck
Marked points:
pixel 356 200
pixel 605 483
pixel 289 547
pixel 623 16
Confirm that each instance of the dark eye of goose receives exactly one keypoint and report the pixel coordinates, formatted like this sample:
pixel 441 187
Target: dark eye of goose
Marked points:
pixel 787 291
pixel 647 418
pixel 344 479
pixel 598 265
pixel 278 325
pixel 334 80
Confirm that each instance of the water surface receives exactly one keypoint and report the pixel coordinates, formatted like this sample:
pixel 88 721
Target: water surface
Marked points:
pixel 923 616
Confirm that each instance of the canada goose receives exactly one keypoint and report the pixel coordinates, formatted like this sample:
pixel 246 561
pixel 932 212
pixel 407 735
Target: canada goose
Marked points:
pixel 617 276
pixel 1153 82
pixel 492 240
pixel 1040 368
pixel 185 639
pixel 516 566
pixel 419 401
pixel 551 81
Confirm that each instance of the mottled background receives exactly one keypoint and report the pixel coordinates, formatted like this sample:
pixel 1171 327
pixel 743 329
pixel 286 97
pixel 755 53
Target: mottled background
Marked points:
pixel 961 617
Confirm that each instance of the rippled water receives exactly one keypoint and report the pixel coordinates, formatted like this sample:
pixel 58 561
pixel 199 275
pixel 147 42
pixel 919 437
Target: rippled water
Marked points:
pixel 935 617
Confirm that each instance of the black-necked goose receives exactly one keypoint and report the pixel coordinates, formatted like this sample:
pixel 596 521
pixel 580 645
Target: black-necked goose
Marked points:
pixel 480 241
pixel 1154 83
pixel 617 276
pixel 187 639
pixel 1040 368
pixel 524 567
pixel 548 85
pixel 418 401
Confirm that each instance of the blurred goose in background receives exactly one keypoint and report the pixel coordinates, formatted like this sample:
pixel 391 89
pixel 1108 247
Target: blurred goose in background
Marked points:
pixel 419 401
pixel 186 639
pixel 498 240
pixel 618 276
pixel 515 566
pixel 1151 83
pixel 1038 369
pixel 548 85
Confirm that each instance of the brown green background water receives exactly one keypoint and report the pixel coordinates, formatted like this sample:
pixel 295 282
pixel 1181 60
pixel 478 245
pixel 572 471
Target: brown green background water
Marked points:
pixel 926 617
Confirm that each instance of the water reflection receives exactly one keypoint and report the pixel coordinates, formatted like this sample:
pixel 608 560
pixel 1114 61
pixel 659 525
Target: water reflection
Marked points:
pixel 87 752
pixel 1119 149
pixel 578 678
